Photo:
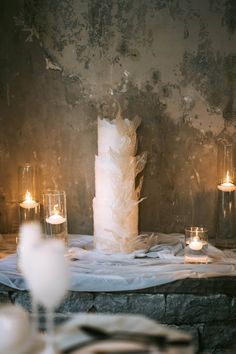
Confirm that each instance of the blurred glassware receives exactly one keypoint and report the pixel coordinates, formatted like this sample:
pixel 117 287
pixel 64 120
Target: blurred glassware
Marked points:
pixel 29 207
pixel 55 215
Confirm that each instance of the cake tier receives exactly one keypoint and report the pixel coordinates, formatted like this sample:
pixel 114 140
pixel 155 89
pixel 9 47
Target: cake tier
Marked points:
pixel 115 226
pixel 114 177
pixel 111 136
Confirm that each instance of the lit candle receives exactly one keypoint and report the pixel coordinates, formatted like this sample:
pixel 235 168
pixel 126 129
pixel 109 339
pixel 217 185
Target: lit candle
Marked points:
pixel 196 244
pixel 227 186
pixel 28 203
pixel 55 218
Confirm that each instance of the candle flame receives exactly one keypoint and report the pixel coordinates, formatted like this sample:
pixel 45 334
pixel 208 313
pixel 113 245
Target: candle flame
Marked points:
pixel 56 209
pixel 28 197
pixel 227 177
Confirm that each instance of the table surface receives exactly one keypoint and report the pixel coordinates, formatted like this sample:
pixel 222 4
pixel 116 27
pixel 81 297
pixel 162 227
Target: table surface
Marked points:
pixel 209 300
pixel 203 286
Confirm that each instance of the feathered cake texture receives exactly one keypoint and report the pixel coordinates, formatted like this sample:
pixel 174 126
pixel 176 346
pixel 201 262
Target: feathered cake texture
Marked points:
pixel 116 203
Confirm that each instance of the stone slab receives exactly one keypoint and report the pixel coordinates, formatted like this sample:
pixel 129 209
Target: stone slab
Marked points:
pixel 206 308
pixel 189 308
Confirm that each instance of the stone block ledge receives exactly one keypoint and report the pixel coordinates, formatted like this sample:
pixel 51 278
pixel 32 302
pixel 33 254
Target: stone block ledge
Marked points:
pixel 206 308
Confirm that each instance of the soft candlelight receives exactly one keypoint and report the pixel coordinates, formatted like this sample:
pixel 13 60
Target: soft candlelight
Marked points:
pixel 227 186
pixel 196 245
pixel 55 217
pixel 226 225
pixel 28 202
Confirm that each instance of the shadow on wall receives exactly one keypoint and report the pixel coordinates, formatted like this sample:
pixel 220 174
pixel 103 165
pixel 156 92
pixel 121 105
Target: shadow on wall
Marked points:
pixel 9 218
pixel 198 210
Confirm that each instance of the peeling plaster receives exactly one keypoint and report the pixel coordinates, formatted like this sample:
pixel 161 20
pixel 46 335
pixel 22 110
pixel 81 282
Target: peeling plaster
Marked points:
pixel 101 41
pixel 52 66
pixel 171 62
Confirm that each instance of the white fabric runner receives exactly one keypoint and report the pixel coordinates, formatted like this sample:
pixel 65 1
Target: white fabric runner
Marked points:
pixel 95 271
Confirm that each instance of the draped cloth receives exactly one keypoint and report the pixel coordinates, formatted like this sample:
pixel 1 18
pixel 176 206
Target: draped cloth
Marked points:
pixel 95 271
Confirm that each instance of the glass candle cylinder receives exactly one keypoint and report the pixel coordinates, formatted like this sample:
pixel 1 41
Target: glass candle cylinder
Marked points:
pixel 226 165
pixel 55 217
pixel 226 225
pixel 196 244
pixel 29 207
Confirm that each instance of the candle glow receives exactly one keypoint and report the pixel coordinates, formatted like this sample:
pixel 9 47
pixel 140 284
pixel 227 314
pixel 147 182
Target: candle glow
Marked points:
pixel 55 218
pixel 227 186
pixel 196 244
pixel 28 202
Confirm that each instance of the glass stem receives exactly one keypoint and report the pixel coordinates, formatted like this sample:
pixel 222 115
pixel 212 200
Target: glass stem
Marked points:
pixel 35 316
pixel 50 325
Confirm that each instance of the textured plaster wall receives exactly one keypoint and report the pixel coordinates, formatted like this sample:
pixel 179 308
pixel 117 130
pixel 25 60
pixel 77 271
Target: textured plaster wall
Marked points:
pixel 173 62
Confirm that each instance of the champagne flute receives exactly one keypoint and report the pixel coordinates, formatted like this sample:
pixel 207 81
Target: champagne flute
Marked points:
pixel 49 281
pixel 30 237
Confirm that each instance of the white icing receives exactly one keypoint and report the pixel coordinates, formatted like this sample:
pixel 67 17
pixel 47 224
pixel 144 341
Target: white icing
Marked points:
pixel 110 137
pixel 116 203
pixel 110 178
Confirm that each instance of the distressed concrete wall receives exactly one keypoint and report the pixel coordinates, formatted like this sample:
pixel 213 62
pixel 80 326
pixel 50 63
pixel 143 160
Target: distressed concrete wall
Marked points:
pixel 171 62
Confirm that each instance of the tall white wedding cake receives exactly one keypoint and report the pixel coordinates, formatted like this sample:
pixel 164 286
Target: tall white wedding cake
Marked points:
pixel 115 206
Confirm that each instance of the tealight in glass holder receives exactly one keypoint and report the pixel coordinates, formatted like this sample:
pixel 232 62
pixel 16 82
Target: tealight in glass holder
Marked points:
pixel 55 217
pixel 29 207
pixel 226 218
pixel 196 245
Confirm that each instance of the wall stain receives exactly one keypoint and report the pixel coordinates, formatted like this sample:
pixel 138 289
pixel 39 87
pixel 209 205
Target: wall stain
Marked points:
pixel 230 16
pixel 171 62
pixel 213 75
